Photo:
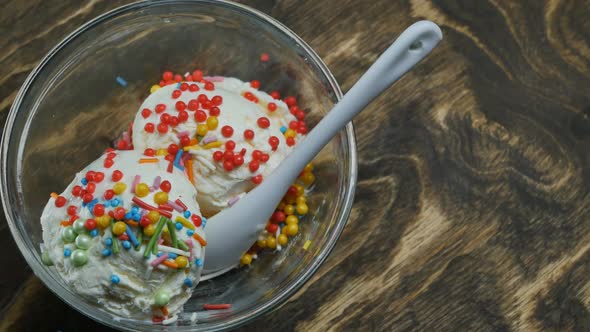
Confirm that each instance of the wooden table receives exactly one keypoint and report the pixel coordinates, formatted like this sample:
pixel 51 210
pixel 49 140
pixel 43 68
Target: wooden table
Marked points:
pixel 472 208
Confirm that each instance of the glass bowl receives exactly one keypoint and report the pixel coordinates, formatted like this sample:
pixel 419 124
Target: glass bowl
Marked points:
pixel 86 91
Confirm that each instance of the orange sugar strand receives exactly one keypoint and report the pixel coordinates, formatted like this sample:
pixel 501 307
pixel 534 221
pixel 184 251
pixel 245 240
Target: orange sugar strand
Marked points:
pixel 199 239
pixel 189 170
pixel 148 160
pixel 170 264
pixel 132 223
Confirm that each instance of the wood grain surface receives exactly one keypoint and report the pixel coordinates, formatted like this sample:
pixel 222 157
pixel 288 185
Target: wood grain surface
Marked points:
pixel 472 211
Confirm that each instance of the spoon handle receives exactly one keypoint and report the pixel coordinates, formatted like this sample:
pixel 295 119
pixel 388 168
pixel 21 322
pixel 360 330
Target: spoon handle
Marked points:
pixel 413 45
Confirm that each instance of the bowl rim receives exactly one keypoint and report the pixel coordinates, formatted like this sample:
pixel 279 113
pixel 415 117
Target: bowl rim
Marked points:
pixel 277 301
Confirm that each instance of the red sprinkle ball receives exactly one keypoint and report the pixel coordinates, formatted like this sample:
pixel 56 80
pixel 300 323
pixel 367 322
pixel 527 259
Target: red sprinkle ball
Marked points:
pixel 264 57
pixel 217 155
pixel 167 76
pixel 214 111
pixel 165 186
pixel 255 84
pixel 117 175
pixel 60 201
pixel 251 97
pixel 160 108
pixel 162 128
pixel 146 113
pixel 272 107
pixel 257 179
pixel 149 127
pixel 197 75
pixel 196 220
pixel 217 100
pixel 200 116
pixel 263 122
pixel 290 101
pixel 227 131
pixel 109 162
pixel 273 141
pixel 249 134
pixel 185 141
pixel 275 95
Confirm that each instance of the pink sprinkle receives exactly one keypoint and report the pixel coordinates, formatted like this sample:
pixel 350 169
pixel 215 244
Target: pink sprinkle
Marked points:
pixel 175 206
pixel 183 133
pixel 189 243
pixel 157 181
pixel 152 189
pixel 143 212
pixel 233 200
pixel 214 78
pixel 135 182
pixel 159 260
pixel 209 139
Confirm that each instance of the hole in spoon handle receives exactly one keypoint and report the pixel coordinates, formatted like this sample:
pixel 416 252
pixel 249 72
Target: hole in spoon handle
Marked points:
pixel 413 45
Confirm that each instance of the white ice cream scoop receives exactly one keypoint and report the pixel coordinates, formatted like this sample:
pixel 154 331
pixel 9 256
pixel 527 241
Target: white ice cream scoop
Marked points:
pixel 231 232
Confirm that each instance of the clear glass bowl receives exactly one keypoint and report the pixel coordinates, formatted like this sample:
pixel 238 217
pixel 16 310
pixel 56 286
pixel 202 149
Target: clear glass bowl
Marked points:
pixel 71 108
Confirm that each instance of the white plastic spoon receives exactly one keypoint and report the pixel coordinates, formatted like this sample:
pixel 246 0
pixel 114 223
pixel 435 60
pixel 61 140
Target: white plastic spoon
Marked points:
pixel 231 232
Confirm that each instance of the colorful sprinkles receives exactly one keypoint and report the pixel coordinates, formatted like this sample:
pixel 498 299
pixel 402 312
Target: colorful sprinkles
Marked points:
pixel 151 225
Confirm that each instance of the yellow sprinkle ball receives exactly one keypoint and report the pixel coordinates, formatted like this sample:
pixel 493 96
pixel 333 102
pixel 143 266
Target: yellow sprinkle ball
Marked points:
pixel 308 167
pixel 212 123
pixel 119 188
pixel 142 190
pixel 161 197
pixel 246 259
pixel 300 190
pixel 307 178
pixel 154 88
pixel 119 228
pixel 289 209
pixel 291 229
pixel 181 261
pixel 149 230
pixel 290 199
pixel 202 129
pixel 103 221
pixel 261 243
pixel 153 216
pixel 302 209
pixel 161 152
pixel 271 242
pixel 290 133
pixel 292 219
pixel 301 200
pixel 283 239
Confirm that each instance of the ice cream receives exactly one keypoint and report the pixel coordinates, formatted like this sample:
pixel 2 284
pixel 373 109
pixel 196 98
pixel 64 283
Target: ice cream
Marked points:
pixel 127 234
pixel 235 133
